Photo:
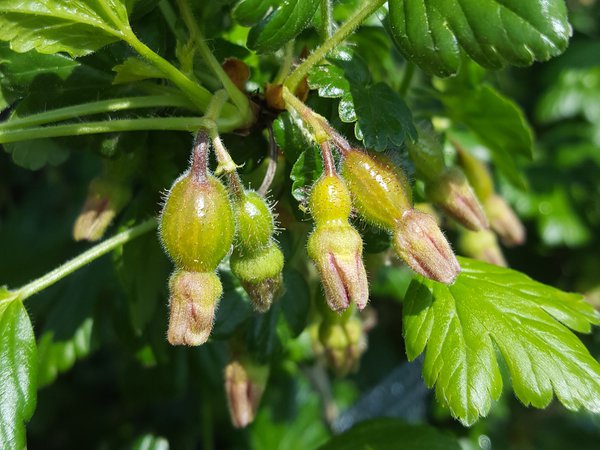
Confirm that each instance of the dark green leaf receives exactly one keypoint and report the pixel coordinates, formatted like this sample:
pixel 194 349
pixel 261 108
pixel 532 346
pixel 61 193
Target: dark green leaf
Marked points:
pixel 391 434
pixel 143 270
pixel 250 12
pixel 295 302
pixel 34 155
pixel 18 373
pixel 135 69
pixel 282 25
pixel 490 307
pixel 234 307
pixel 18 70
pixel 289 138
pixel 499 124
pixel 434 33
pixel 307 169
pixel 76 27
pixel 384 119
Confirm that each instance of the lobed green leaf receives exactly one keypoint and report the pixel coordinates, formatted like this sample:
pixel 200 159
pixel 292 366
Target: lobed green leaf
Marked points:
pixel 460 327
pixel 76 27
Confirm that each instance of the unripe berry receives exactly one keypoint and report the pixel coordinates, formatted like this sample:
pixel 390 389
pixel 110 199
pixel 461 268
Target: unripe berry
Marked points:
pixel 482 245
pixel 256 261
pixel 336 247
pixel 330 201
pixel 379 188
pixel 260 274
pixel 196 224
pixel 255 222
pixel 451 192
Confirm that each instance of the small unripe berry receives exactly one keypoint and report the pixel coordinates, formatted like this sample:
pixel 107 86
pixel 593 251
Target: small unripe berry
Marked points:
pixel 482 245
pixel 260 274
pixel 504 221
pixel 255 224
pixel 336 247
pixel 256 261
pixel 379 188
pixel 196 224
pixel 451 192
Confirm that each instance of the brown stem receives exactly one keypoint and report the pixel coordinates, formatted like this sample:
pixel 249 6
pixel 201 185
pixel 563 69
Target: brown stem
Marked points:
pixel 272 166
pixel 328 163
pixel 199 168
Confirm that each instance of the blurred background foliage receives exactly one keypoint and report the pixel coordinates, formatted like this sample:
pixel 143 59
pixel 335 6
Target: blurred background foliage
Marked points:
pixel 108 379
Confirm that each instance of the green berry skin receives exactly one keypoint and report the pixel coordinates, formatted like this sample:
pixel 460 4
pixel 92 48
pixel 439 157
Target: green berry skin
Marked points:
pixel 264 264
pixel 330 201
pixel 380 190
pixel 259 274
pixel 197 224
pixel 255 224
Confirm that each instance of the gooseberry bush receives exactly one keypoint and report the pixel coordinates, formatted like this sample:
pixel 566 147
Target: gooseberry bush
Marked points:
pixel 304 213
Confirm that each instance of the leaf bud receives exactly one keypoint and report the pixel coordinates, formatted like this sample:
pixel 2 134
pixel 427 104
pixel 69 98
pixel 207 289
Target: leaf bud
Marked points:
pixel 106 198
pixel 197 224
pixel 335 246
pixel 245 383
pixel 256 261
pixel 504 221
pixel 192 303
pixel 380 190
pixel 482 245
pixel 421 244
pixel 451 192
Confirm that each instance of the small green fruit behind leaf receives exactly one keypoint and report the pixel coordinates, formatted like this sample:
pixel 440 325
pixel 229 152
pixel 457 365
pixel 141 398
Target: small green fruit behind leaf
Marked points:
pixel 193 301
pixel 196 224
pixel 255 223
pixel 482 245
pixel 380 190
pixel 259 274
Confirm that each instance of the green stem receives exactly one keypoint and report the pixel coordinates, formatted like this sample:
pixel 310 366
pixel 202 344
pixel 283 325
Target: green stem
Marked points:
pixel 326 20
pixel 367 8
pixel 85 258
pixel 238 97
pixel 314 120
pixel 409 72
pixel 98 107
pixel 109 126
pixel 199 95
pixel 286 64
